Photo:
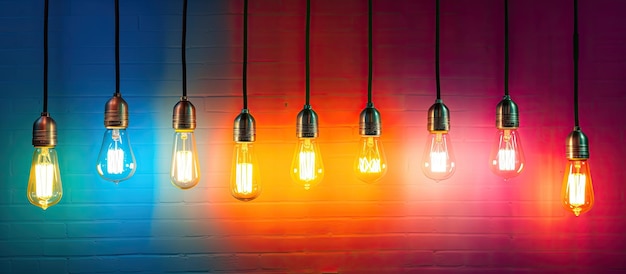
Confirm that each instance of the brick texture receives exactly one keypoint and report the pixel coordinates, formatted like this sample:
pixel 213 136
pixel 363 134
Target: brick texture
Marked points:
pixel 472 223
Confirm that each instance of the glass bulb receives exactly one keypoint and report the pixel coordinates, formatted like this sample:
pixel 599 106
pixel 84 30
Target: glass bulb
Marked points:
pixel 244 177
pixel 185 170
pixel 307 169
pixel 44 182
pixel 438 160
pixel 507 157
pixel 577 190
pixel 370 164
pixel 116 161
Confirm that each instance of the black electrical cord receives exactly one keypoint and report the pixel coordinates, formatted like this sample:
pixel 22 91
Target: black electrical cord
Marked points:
pixel 184 48
pixel 506 47
pixel 369 54
pixel 245 55
pixel 438 78
pixel 576 63
pixel 117 47
pixel 308 34
pixel 45 57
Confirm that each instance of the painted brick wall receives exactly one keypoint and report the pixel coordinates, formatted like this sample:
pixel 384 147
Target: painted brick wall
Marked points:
pixel 472 223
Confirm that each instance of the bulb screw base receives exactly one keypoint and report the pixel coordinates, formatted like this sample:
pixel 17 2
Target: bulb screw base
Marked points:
pixel 44 131
pixel 306 123
pixel 507 114
pixel 577 145
pixel 370 122
pixel 244 129
pixel 184 115
pixel 116 112
pixel 438 117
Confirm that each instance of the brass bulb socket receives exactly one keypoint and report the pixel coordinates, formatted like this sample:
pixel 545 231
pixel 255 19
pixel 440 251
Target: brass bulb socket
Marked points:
pixel 184 115
pixel 306 123
pixel 244 129
pixel 116 113
pixel 577 145
pixel 370 122
pixel 44 131
pixel 438 117
pixel 507 114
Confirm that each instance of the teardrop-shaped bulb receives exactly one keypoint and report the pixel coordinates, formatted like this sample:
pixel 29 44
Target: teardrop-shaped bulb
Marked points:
pixel 44 183
pixel 116 161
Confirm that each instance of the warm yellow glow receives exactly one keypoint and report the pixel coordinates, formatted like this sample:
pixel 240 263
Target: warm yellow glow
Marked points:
pixel 184 172
pixel 44 183
pixel 506 157
pixel 307 167
pixel 576 185
pixel 244 178
pixel 371 163
pixel 577 190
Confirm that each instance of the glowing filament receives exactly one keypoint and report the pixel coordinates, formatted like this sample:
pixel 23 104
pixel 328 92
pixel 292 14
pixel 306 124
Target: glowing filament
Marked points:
pixel 184 166
pixel 307 165
pixel 576 186
pixel 115 158
pixel 438 161
pixel 369 165
pixel 506 159
pixel 44 173
pixel 244 178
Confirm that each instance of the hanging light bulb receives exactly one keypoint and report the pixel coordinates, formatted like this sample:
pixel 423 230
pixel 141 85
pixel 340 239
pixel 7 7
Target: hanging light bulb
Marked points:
pixel 577 190
pixel 438 160
pixel 185 169
pixel 370 164
pixel 244 178
pixel 116 161
pixel 307 168
pixel 507 157
pixel 44 183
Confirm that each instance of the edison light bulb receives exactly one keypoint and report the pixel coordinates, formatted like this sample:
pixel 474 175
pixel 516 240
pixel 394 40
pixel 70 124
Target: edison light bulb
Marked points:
pixel 116 161
pixel 44 183
pixel 244 177
pixel 370 164
pixel 577 190
pixel 507 157
pixel 438 162
pixel 185 168
pixel 307 168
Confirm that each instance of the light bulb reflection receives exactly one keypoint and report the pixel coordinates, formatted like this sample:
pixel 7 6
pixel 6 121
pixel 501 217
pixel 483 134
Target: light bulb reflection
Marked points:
pixel 244 179
pixel 307 169
pixel 44 184
pixel 438 160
